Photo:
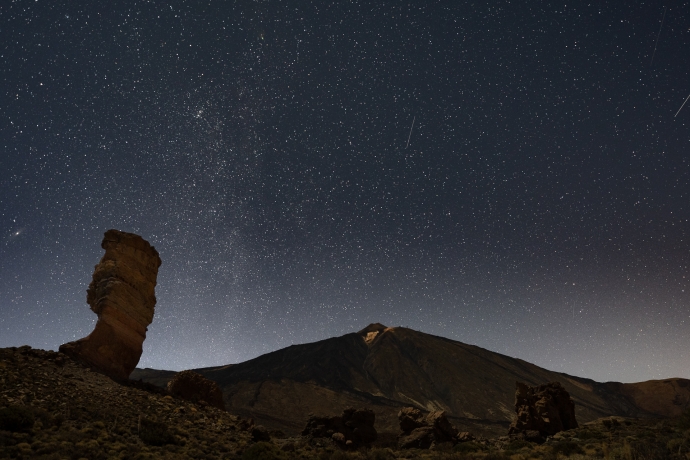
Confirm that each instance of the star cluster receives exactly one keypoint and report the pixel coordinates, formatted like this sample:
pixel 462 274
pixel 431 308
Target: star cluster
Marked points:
pixel 503 174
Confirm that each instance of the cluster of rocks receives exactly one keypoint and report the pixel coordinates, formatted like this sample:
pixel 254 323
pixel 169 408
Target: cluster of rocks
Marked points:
pixel 196 388
pixel 122 294
pixel 353 429
pixel 74 412
pixel 542 411
pixel 421 431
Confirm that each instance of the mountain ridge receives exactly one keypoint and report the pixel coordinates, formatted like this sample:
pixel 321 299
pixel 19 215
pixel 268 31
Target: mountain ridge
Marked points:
pixel 386 368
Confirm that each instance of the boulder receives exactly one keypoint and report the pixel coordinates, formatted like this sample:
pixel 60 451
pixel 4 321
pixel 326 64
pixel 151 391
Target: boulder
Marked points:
pixel 423 431
pixel 246 424
pixel 260 433
pixel 443 430
pixel 465 436
pixel 196 388
pixel 122 294
pixel 544 409
pixel 354 428
pixel 419 438
pixel 410 418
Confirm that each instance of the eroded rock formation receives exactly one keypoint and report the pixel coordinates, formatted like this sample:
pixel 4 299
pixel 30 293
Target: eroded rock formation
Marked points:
pixel 122 294
pixel 546 409
pixel 352 429
pixel 196 388
pixel 423 431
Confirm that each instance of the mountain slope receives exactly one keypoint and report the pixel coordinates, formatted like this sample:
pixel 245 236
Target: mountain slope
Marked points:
pixel 388 368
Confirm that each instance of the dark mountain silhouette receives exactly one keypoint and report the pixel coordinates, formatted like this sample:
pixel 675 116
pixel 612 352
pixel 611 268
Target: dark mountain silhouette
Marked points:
pixel 385 369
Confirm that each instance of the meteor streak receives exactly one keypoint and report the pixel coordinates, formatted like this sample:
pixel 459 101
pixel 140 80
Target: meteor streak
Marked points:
pixel 681 107
pixel 410 135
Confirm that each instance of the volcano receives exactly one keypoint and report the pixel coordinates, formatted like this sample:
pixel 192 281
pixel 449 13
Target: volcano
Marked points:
pixel 387 368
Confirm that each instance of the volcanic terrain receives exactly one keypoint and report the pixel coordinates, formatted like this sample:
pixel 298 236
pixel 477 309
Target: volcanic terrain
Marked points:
pixel 387 368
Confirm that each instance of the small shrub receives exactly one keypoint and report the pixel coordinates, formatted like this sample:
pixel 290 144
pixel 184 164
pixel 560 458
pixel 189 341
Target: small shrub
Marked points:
pixel 58 420
pixel 589 434
pixel 72 435
pixel 87 449
pixel 154 433
pixel 48 456
pixel 497 455
pixel 41 415
pixel 654 450
pixel 684 420
pixel 16 418
pixel 674 444
pixel 517 445
pixel 567 448
pixel 380 454
pixel 264 451
pixel 468 447
pixel 146 456
pixel 337 455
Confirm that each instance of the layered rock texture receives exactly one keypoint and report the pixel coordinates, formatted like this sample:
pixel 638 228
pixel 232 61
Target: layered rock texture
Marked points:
pixel 196 388
pixel 424 431
pixel 122 294
pixel 353 429
pixel 546 409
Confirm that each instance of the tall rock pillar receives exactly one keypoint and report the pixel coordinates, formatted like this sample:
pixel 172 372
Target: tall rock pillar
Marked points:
pixel 122 294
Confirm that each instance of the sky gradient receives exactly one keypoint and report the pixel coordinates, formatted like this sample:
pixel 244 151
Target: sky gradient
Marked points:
pixel 510 176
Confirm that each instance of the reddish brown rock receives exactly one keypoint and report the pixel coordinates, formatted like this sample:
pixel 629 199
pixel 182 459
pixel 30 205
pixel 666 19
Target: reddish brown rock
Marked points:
pixel 546 409
pixel 196 388
pixel 423 431
pixel 260 433
pixel 465 436
pixel 410 418
pixel 354 428
pixel 122 294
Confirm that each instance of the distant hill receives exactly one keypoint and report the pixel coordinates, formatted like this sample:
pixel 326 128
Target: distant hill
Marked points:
pixel 388 368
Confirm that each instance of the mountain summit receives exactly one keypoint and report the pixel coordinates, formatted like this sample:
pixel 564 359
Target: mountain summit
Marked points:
pixel 387 368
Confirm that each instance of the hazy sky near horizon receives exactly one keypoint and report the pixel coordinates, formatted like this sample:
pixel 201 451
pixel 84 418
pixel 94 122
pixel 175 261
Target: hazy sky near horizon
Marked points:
pixel 513 175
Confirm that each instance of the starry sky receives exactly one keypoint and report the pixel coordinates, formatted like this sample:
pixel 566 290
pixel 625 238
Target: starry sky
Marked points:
pixel 513 175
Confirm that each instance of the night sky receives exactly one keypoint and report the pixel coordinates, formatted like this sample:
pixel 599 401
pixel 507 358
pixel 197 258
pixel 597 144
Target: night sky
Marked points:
pixel 507 174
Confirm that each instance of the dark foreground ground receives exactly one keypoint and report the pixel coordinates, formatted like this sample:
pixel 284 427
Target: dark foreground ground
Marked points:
pixel 54 408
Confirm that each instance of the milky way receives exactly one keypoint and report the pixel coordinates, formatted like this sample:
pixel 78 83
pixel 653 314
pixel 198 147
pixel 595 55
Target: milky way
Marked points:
pixel 504 175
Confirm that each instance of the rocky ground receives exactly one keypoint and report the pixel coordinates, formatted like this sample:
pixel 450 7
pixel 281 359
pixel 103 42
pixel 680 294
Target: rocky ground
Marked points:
pixel 52 407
